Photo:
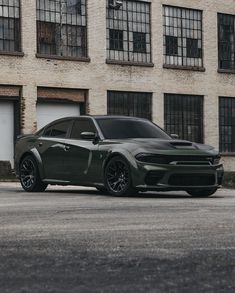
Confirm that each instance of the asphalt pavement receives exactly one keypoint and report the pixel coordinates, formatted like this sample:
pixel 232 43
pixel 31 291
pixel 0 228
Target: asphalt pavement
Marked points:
pixel 71 239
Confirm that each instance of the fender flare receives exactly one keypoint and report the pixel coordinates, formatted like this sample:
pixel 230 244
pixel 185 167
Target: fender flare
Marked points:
pixel 126 155
pixel 34 152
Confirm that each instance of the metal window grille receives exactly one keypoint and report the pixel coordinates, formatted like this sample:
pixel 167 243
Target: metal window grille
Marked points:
pixel 62 28
pixel 227 124
pixel 10 26
pixel 132 21
pixel 226 31
pixel 184 116
pixel 182 36
pixel 130 104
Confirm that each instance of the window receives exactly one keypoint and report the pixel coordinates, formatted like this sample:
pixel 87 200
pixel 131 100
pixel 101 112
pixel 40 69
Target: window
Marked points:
pixel 171 46
pixel 116 40
pixel 74 6
pixel 128 31
pixel 184 116
pixel 226 28
pixel 80 126
pixel 182 37
pixel 139 42
pixel 57 130
pixel 227 124
pixel 121 128
pixel 61 28
pixel 130 104
pixel 10 26
pixel 193 50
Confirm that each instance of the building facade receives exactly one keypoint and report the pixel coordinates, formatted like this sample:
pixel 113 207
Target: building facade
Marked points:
pixel 171 61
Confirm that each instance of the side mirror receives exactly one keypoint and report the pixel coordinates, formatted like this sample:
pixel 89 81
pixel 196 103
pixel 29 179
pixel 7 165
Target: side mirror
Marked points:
pixel 175 136
pixel 89 135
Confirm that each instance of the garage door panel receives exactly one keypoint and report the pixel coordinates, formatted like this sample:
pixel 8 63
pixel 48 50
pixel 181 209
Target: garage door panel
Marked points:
pixel 48 112
pixel 7 131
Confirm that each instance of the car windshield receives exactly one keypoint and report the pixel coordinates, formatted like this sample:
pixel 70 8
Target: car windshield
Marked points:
pixel 127 128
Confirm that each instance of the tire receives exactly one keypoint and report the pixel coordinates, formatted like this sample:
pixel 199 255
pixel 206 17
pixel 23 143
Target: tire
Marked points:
pixel 29 175
pixel 201 192
pixel 117 177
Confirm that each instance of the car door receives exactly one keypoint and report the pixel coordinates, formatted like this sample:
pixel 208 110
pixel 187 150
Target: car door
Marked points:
pixel 82 155
pixel 52 149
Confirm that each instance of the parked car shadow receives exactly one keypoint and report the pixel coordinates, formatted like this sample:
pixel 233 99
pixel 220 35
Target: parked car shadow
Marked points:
pixel 138 195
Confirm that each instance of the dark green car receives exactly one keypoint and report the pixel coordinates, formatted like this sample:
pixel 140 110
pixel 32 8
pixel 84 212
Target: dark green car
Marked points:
pixel 119 155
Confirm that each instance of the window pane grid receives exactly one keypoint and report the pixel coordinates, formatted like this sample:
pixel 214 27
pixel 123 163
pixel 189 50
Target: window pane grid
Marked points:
pixel 131 22
pixel 183 115
pixel 62 28
pixel 10 25
pixel 227 124
pixel 182 36
pixel 130 104
pixel 226 31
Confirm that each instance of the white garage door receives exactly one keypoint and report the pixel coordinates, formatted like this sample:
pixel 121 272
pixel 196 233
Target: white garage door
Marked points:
pixel 48 112
pixel 7 131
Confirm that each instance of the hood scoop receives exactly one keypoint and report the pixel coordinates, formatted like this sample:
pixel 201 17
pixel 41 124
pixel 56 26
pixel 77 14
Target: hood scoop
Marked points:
pixel 183 145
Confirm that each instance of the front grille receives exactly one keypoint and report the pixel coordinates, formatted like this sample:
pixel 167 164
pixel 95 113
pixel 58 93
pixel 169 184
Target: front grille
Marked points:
pixel 178 160
pixel 192 180
pixel 153 177
pixel 189 159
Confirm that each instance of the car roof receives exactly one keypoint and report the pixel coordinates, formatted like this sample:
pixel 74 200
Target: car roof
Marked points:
pixel 97 117
pixel 93 117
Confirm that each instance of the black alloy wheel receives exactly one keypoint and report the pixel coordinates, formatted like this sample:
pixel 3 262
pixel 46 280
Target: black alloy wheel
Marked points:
pixel 201 192
pixel 118 177
pixel 29 176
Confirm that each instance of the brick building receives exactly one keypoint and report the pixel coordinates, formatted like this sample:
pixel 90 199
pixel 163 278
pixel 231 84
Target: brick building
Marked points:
pixel 171 61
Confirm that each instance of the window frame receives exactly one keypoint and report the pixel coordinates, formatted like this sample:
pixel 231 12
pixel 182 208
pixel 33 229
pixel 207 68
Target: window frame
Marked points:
pixel 186 122
pixel 127 58
pixel 201 29
pixel 224 70
pixel 18 52
pixel 82 119
pixel 54 123
pixel 84 58
pixel 222 146
pixel 130 102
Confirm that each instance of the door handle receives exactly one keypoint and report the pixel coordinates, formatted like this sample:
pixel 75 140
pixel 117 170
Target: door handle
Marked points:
pixel 40 144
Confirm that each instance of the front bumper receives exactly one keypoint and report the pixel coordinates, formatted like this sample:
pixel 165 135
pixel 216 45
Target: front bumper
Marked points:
pixel 177 177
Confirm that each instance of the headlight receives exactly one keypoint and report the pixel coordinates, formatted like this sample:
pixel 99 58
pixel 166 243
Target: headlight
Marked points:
pixel 148 158
pixel 217 160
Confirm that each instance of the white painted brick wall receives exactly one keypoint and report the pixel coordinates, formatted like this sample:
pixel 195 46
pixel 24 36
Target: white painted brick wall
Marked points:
pixel 98 77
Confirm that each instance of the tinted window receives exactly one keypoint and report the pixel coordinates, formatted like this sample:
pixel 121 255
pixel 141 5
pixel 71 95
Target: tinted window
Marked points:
pixel 82 126
pixel 58 130
pixel 125 128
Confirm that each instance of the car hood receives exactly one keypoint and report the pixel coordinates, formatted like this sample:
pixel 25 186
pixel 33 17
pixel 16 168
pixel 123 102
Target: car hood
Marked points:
pixel 171 146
